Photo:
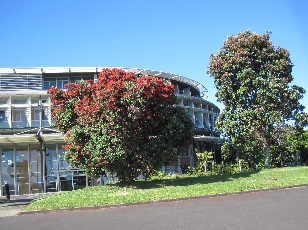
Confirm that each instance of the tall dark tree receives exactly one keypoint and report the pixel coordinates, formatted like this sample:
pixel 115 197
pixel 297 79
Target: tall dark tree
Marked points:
pixel 123 123
pixel 252 78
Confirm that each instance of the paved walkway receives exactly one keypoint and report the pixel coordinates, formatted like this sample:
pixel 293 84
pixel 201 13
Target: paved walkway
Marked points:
pixel 16 204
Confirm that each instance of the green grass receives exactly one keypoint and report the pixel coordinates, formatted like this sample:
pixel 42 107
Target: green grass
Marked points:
pixel 173 187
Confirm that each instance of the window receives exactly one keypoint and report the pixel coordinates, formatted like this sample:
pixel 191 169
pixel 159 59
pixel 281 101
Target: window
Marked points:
pixel 19 118
pixel 48 84
pixel 62 79
pixel 55 81
pixel 15 101
pixel 3 101
pixel 2 116
pixel 77 78
pixel 35 114
pixel 19 115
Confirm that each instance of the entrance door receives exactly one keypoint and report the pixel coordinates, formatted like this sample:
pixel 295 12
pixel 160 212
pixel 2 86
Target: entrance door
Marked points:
pixel 22 170
pixel 52 170
pixel 36 167
pixel 7 163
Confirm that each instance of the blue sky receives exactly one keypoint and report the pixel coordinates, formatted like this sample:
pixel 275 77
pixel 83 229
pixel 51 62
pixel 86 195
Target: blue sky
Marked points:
pixel 175 36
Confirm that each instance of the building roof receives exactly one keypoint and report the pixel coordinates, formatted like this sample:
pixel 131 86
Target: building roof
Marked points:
pixel 46 70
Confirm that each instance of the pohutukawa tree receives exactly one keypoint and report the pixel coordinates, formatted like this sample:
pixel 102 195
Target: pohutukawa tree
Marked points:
pixel 252 78
pixel 124 123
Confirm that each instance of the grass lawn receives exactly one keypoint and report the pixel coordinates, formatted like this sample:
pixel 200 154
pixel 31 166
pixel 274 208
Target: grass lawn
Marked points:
pixel 172 187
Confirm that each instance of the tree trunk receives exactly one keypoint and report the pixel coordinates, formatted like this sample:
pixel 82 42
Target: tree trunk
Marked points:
pixel 267 163
pixel 240 165
pixel 298 157
pixel 205 166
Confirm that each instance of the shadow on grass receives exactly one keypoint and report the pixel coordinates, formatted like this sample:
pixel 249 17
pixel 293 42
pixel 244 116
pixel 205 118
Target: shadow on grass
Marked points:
pixel 185 181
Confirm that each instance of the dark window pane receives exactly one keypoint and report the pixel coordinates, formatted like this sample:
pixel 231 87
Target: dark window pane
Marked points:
pixel 2 116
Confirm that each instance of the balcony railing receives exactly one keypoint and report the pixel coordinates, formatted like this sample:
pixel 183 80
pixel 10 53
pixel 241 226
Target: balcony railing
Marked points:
pixel 23 124
pixel 4 125
pixel 19 124
pixel 35 123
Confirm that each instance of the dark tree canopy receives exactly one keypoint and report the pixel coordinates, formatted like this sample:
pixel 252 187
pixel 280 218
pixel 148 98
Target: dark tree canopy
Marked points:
pixel 252 78
pixel 124 123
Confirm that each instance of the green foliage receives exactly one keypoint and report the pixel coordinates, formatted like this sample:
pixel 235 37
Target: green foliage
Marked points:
pixel 252 79
pixel 158 175
pixel 204 159
pixel 297 140
pixel 249 152
pixel 192 171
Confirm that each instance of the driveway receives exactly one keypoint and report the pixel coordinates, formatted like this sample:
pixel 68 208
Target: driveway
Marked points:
pixel 273 209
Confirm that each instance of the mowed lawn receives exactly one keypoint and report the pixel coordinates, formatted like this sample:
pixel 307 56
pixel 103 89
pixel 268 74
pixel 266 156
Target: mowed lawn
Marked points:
pixel 172 187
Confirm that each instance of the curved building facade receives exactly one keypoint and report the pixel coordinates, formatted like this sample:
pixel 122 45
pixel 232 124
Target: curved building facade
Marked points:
pixel 31 149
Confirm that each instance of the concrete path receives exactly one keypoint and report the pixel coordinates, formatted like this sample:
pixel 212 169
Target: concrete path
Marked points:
pixel 273 209
pixel 17 203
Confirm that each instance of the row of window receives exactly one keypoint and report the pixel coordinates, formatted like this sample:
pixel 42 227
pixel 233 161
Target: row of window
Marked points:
pixel 61 81
pixel 20 115
pixel 22 168
pixel 58 82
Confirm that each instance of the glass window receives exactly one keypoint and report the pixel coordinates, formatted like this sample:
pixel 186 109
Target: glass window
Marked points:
pixel 35 114
pixel 44 117
pixel 48 84
pixel 19 115
pixel 57 81
pixel 19 101
pixel 64 82
pixel 36 167
pixel 7 162
pixel 52 170
pixel 22 173
pixel 3 102
pixel 63 164
pixel 2 115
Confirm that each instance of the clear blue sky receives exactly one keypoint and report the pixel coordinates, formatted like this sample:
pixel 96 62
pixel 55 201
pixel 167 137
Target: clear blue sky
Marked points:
pixel 175 36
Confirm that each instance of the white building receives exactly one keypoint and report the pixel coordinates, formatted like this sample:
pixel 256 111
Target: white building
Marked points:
pixel 31 149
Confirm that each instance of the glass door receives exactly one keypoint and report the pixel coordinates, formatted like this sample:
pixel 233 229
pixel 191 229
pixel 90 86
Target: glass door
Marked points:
pixel 22 170
pixel 66 183
pixel 36 168
pixel 52 170
pixel 7 161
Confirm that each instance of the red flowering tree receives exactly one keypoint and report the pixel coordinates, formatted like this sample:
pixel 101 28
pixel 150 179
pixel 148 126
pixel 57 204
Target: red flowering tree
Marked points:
pixel 124 123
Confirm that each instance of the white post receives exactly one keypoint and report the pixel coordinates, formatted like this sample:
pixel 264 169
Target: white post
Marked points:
pixel 179 165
